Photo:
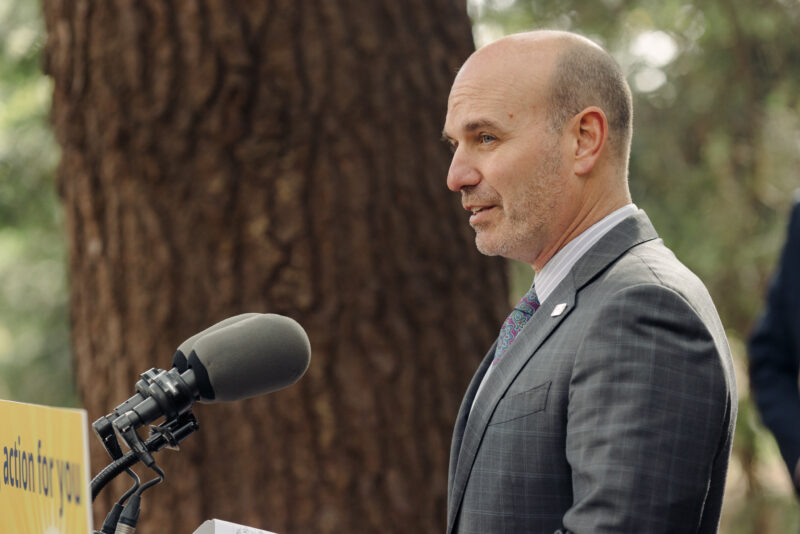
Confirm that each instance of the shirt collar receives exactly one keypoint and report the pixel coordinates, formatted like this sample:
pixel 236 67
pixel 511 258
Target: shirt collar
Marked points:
pixel 560 264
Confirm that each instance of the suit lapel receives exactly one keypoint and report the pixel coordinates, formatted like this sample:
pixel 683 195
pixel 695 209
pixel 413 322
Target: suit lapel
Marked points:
pixel 463 414
pixel 475 421
pixel 471 424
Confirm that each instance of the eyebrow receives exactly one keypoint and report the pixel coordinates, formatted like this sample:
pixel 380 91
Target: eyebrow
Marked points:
pixel 471 126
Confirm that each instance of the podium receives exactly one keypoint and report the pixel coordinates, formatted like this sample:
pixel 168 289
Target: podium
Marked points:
pixel 217 526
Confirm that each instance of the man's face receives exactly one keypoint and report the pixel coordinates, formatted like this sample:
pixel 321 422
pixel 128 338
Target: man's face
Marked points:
pixel 506 163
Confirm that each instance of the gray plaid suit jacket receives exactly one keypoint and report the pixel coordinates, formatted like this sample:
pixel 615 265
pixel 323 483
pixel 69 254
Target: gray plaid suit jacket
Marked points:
pixel 616 415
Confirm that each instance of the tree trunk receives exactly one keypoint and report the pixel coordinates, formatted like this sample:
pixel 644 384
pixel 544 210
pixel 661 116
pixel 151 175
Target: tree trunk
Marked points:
pixel 278 156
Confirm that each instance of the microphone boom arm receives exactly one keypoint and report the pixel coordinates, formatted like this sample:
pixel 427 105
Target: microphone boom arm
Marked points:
pixel 169 434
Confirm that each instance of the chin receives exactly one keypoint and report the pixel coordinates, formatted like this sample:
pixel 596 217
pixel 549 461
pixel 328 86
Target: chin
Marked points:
pixel 511 245
pixel 489 247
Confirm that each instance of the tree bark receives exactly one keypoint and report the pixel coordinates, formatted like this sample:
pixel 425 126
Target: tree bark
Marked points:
pixel 277 156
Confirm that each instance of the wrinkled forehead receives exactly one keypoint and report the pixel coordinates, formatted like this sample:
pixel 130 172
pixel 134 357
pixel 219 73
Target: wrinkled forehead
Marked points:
pixel 488 88
pixel 514 79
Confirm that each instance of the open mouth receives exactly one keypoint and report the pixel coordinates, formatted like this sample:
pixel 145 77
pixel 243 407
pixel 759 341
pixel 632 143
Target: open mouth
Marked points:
pixel 479 213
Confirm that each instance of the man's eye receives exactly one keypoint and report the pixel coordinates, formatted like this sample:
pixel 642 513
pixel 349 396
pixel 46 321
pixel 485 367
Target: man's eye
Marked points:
pixel 486 138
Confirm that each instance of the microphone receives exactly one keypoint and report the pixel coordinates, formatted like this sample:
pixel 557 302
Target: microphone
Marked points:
pixel 241 357
pixel 252 357
pixel 238 358
pixel 185 348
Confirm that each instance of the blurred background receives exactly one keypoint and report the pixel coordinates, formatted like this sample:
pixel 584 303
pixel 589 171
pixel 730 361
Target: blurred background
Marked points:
pixel 714 163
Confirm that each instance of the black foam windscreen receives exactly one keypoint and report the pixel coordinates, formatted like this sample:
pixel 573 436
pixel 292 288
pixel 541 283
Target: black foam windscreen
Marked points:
pixel 179 360
pixel 251 357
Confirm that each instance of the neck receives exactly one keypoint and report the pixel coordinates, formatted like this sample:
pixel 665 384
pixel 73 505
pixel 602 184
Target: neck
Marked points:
pixel 586 216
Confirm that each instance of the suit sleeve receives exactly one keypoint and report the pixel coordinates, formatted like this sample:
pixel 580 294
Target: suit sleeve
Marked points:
pixel 774 354
pixel 649 411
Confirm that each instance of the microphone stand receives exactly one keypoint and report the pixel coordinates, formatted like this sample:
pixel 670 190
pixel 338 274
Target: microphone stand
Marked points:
pixel 168 434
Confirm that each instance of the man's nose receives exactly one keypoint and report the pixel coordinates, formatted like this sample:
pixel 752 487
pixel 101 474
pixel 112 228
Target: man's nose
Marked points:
pixel 462 172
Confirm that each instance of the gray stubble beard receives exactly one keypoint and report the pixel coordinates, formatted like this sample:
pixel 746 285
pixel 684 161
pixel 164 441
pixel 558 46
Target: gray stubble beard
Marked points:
pixel 538 201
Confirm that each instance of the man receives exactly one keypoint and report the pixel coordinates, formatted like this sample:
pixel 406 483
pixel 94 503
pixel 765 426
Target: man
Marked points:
pixel 611 407
pixel 775 352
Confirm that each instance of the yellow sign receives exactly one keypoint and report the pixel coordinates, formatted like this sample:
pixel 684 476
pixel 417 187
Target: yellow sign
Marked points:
pixel 45 484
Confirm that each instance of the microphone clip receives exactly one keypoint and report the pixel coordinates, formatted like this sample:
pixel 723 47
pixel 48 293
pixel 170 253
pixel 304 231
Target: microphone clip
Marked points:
pixel 159 393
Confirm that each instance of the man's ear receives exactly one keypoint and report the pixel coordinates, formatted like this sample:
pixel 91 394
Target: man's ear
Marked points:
pixel 590 130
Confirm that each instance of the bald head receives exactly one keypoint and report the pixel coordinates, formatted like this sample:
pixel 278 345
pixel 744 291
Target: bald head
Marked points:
pixel 570 71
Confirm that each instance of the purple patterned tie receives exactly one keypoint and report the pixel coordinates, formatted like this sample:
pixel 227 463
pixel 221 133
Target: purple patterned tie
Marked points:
pixel 513 324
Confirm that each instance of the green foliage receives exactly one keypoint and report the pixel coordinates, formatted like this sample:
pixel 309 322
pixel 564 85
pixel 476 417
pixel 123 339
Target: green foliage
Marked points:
pixel 716 147
pixel 35 362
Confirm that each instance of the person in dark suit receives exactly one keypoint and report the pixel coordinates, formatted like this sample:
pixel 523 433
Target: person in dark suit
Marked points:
pixel 774 350
pixel 608 402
